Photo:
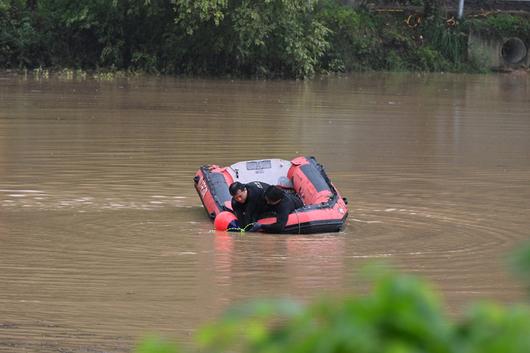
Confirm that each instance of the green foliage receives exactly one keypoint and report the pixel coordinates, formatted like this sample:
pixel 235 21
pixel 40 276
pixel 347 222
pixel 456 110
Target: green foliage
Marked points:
pixel 354 42
pixel 251 37
pixel 520 262
pixel 501 25
pixel 249 324
pixel 401 315
pixel 266 38
pixel 490 328
pixel 156 345
pixel 85 33
pixel 447 46
pixel 362 40
pixel 19 39
pixel 394 61
pixel 426 58
pixel 4 6
pixel 192 14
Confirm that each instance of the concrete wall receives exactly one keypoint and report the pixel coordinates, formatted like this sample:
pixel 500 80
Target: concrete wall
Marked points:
pixel 498 53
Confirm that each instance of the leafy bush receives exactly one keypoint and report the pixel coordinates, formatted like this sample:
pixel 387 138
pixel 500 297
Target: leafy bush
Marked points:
pixel 501 25
pixel 274 37
pixel 156 345
pixel 490 328
pixel 20 41
pixel 428 59
pixel 520 263
pixel 395 61
pixel 354 41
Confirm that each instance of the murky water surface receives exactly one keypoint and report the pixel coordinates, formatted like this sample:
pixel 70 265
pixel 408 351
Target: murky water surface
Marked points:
pixel 103 238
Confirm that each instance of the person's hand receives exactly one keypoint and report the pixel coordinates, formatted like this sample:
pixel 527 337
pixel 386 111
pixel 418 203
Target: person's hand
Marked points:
pixel 233 226
pixel 255 227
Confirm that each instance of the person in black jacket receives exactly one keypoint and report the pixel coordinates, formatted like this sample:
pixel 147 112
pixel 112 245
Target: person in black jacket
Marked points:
pixel 248 201
pixel 281 203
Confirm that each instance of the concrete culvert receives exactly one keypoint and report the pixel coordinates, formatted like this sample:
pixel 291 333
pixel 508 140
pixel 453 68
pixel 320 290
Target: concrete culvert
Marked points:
pixel 513 51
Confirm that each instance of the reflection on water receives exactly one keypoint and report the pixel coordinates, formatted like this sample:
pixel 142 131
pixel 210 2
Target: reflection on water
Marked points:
pixel 102 237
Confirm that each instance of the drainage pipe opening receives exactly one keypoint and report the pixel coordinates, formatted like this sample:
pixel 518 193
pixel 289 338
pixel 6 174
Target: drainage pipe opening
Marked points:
pixel 514 51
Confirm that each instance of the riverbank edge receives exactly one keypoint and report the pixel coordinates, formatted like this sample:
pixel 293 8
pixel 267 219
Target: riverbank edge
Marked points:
pixel 101 75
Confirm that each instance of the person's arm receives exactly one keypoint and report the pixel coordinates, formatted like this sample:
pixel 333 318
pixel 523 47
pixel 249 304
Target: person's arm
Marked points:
pixel 250 213
pixel 239 211
pixel 244 213
pixel 282 216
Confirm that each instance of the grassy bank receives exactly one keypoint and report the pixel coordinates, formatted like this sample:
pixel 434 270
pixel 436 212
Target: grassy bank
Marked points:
pixel 276 38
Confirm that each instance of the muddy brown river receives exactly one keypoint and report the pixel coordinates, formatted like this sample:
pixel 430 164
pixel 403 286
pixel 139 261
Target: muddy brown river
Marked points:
pixel 103 238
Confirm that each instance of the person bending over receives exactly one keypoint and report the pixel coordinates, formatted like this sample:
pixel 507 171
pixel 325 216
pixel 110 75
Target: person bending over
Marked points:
pixel 248 201
pixel 281 203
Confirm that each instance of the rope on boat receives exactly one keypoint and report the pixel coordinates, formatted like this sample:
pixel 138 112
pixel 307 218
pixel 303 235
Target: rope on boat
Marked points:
pixel 241 230
pixel 250 225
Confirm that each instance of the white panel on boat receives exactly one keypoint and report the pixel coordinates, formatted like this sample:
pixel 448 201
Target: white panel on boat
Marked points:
pixel 270 171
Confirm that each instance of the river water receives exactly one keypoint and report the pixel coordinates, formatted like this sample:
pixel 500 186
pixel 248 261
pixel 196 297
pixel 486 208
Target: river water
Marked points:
pixel 103 238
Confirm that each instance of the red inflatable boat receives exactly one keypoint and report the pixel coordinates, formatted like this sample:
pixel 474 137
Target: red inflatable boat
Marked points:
pixel 324 209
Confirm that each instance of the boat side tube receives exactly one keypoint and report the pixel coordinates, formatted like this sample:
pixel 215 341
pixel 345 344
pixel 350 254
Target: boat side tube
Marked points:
pixel 325 210
pixel 211 183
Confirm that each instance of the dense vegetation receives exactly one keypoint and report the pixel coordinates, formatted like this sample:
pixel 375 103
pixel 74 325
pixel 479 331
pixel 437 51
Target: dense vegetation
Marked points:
pixel 267 38
pixel 401 315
